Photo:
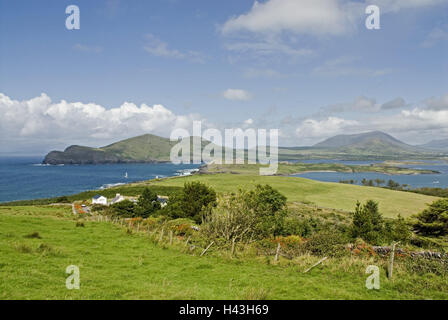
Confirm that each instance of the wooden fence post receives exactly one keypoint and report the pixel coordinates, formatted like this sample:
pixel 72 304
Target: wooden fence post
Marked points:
pixel 316 264
pixel 277 252
pixel 233 247
pixel 391 262
pixel 205 250
pixel 171 237
pixel 161 235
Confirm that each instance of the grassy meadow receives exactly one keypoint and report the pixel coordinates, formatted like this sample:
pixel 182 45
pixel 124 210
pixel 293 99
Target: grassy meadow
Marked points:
pixel 323 194
pixel 117 264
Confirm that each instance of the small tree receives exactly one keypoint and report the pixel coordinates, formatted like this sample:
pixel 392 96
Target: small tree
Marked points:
pixel 192 202
pixel 124 208
pixel 398 230
pixel 269 206
pixel 232 220
pixel 367 222
pixel 147 204
pixel 433 221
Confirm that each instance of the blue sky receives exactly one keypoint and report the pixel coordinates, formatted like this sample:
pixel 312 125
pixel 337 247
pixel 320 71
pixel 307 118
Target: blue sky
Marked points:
pixel 309 68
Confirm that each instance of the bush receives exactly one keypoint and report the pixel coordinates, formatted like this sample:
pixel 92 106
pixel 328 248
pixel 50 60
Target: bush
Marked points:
pixel 147 204
pixel 433 221
pixel 124 209
pixel 398 230
pixel 327 243
pixel 269 206
pixel 192 202
pixel 231 220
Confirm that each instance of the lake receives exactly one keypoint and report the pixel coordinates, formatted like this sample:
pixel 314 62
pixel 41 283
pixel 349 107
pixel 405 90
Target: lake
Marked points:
pixel 414 181
pixel 23 178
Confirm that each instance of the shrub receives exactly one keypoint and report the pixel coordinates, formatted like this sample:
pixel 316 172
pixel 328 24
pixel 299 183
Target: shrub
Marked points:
pixel 269 206
pixel 231 220
pixel 147 204
pixel 433 221
pixel 192 202
pixel 124 208
pixel 398 230
pixel 327 243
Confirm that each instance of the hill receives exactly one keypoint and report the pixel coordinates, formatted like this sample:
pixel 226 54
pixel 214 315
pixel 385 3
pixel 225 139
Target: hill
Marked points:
pixel 369 145
pixel 439 145
pixel 146 148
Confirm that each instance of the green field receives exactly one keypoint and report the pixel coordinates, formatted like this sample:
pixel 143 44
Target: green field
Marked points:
pixel 117 265
pixel 329 195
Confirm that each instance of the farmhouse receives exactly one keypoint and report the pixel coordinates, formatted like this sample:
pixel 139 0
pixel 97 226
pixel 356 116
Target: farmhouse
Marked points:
pixel 118 198
pixel 98 199
pixel 162 200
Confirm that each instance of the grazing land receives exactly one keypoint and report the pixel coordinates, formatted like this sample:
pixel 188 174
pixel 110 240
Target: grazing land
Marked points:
pixel 329 195
pixel 116 264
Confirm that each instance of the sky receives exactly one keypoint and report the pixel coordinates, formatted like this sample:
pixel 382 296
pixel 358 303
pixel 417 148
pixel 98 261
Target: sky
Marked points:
pixel 309 68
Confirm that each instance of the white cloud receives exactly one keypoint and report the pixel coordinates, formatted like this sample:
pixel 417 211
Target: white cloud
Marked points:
pixel 236 95
pixel 302 17
pixel 417 125
pixel 76 122
pixel 249 122
pixel 397 5
pixel 311 128
pixel 437 35
pixel 159 48
pixel 437 103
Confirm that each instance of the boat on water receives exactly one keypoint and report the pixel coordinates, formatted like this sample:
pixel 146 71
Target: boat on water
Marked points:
pixel 126 175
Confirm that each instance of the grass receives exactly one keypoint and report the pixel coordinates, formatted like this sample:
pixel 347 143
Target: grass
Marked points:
pixel 329 195
pixel 117 265
pixel 294 168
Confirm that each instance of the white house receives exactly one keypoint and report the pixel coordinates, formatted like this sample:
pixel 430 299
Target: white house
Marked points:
pixel 99 200
pixel 162 200
pixel 118 198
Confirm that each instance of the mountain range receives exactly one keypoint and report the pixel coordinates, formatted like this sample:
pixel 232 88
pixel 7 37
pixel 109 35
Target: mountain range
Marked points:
pixel 152 148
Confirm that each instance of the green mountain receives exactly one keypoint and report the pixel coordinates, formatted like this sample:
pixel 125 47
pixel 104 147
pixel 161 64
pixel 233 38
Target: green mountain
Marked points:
pixel 146 148
pixel 369 145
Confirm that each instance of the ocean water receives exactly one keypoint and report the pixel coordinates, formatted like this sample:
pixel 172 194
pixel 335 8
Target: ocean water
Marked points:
pixel 414 181
pixel 23 178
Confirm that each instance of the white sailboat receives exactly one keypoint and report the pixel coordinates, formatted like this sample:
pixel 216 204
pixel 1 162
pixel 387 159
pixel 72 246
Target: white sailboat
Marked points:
pixel 126 175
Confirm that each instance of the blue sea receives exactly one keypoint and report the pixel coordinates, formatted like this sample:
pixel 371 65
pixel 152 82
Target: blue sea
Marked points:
pixel 23 178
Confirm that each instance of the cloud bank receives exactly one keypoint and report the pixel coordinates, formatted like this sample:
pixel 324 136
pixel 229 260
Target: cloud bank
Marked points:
pixel 46 122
